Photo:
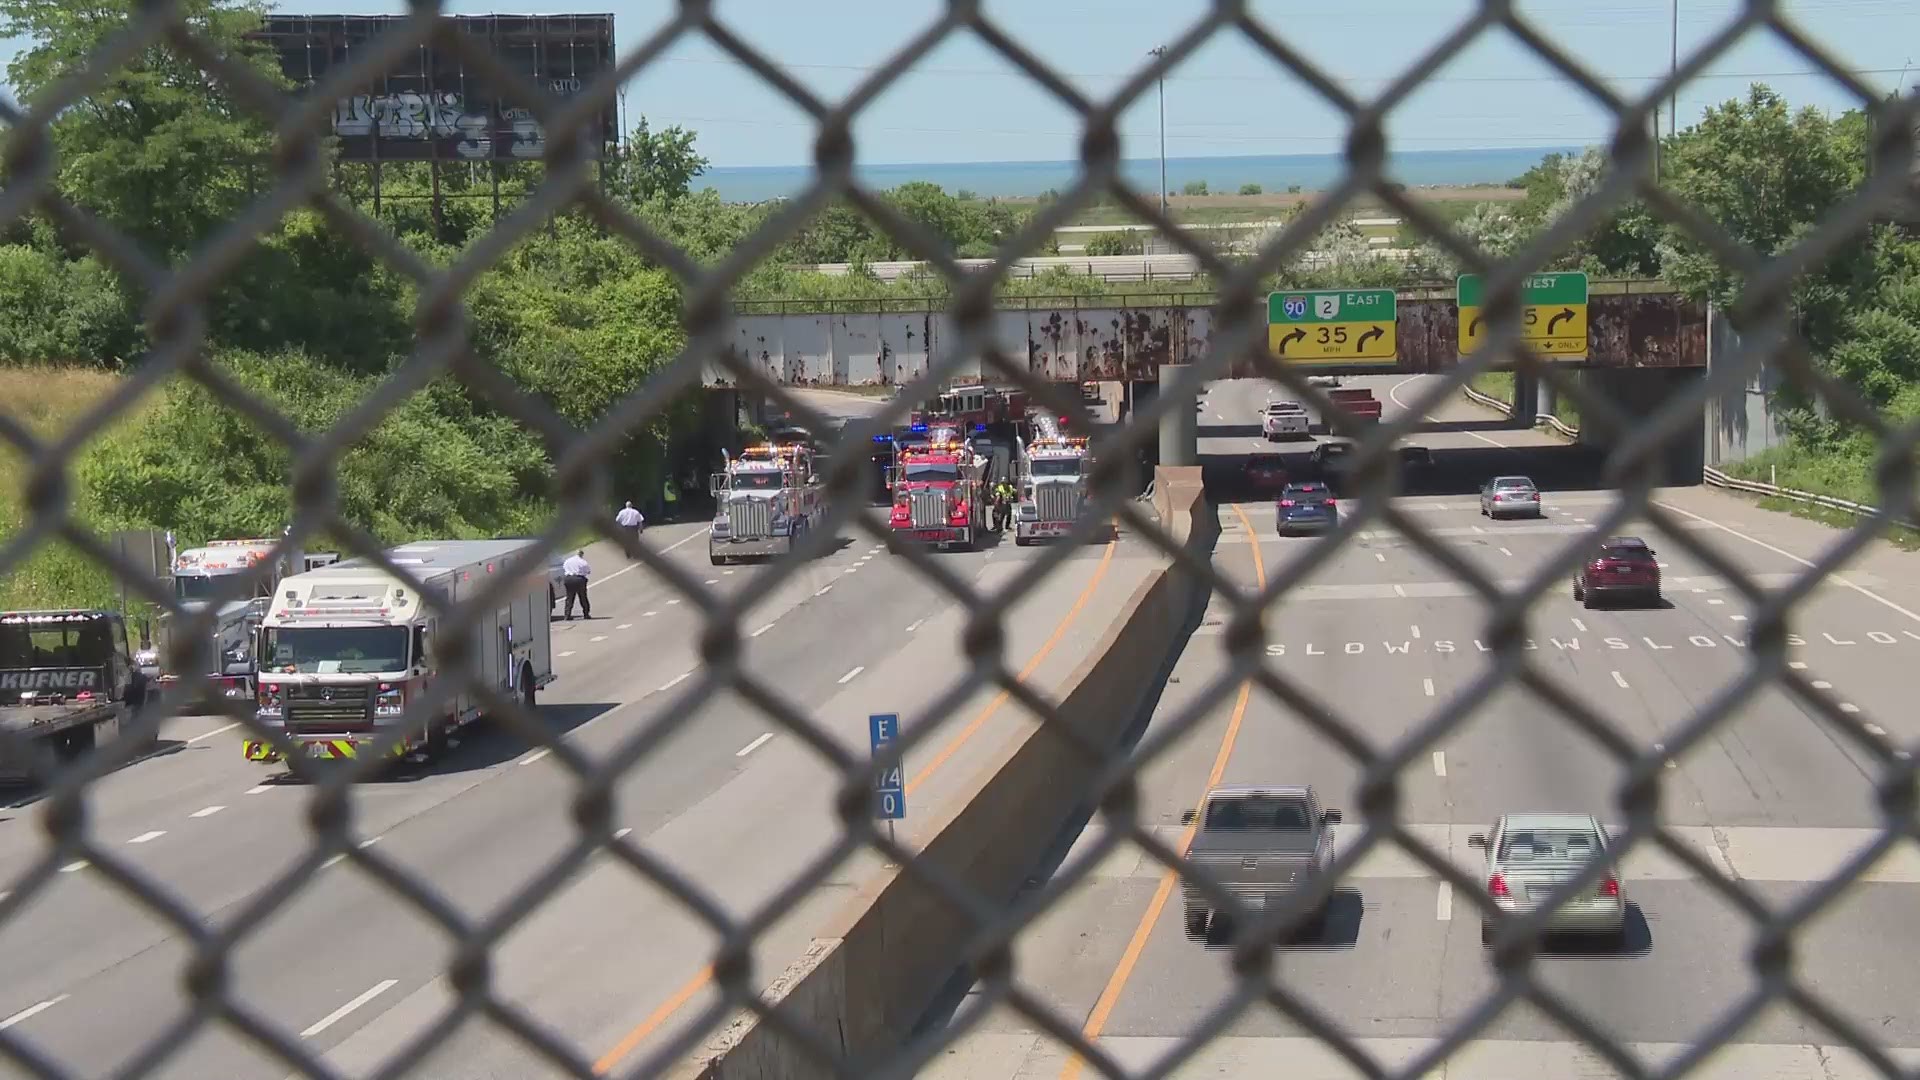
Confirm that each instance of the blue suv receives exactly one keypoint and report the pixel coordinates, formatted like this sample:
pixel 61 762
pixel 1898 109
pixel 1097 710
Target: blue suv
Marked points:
pixel 1307 507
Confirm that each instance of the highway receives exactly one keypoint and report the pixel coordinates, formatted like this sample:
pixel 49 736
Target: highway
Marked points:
pixel 1384 639
pixel 607 961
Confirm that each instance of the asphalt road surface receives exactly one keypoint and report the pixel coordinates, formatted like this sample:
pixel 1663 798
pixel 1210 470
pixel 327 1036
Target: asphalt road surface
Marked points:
pixel 735 803
pixel 1384 638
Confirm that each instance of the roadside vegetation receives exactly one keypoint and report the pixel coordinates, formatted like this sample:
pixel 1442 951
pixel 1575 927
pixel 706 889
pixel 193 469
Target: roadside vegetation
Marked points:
pixel 311 323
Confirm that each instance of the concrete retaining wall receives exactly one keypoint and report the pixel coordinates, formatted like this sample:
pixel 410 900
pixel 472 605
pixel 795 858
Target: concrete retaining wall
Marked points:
pixel 875 969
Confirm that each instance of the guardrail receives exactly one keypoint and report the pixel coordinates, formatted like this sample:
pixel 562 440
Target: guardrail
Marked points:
pixel 1712 475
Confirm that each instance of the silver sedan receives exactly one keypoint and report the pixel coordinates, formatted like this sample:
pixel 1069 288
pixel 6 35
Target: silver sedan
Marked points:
pixel 1529 855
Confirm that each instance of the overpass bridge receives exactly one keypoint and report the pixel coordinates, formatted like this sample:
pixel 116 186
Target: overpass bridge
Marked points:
pixel 1128 338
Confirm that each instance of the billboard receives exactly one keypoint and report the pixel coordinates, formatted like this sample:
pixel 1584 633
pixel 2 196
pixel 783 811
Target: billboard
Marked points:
pixel 430 105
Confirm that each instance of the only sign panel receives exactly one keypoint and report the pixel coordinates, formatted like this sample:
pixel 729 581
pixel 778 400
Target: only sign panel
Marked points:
pixel 1553 320
pixel 1333 326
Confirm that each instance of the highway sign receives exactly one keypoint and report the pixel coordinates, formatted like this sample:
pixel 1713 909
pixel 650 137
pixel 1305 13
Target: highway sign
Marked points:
pixel 1332 326
pixel 890 787
pixel 1553 320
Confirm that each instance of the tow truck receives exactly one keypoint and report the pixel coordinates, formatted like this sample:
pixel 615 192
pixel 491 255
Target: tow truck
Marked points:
pixel 1053 488
pixel 67 684
pixel 939 492
pixel 345 648
pixel 768 498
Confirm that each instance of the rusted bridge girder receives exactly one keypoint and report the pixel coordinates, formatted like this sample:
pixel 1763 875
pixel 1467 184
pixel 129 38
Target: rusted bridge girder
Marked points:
pixel 1081 340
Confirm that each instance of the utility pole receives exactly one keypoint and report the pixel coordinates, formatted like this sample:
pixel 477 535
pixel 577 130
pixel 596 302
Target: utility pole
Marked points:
pixel 1673 68
pixel 1161 50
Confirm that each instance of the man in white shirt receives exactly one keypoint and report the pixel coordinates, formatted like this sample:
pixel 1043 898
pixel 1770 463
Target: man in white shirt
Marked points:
pixel 630 518
pixel 575 572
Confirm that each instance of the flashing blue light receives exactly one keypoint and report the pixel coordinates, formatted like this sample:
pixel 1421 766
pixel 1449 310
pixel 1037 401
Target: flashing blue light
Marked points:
pixel 979 427
pixel 883 438
pixel 919 427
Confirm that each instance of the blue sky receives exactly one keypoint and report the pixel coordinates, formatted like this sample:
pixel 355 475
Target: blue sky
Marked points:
pixel 965 103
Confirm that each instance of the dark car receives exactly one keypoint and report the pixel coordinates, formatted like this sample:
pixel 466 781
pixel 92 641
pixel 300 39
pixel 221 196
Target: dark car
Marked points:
pixel 1624 566
pixel 1332 459
pixel 1415 458
pixel 1264 473
pixel 1305 508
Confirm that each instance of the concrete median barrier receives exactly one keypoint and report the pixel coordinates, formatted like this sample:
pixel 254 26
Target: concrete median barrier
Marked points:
pixel 874 971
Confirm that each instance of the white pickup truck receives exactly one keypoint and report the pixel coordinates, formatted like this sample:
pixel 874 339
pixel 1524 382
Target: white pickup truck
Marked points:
pixel 1284 420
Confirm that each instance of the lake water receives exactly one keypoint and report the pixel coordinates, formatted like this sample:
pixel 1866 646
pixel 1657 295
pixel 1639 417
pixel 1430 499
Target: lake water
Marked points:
pixel 1223 175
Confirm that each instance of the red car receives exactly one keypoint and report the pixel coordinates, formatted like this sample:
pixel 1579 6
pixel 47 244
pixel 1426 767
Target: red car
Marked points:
pixel 1264 473
pixel 1624 566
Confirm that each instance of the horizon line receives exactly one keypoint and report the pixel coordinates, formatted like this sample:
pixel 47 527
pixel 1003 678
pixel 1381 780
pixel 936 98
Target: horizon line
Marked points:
pixel 1543 147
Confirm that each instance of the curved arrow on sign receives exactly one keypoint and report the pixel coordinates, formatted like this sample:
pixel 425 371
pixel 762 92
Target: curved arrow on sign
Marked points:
pixel 1558 317
pixel 1473 328
pixel 1360 346
pixel 1290 339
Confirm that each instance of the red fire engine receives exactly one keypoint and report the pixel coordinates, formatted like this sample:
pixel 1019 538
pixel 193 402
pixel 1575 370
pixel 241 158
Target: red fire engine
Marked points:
pixel 974 407
pixel 939 493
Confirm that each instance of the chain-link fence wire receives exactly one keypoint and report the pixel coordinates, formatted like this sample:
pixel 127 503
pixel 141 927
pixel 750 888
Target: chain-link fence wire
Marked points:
pixel 177 324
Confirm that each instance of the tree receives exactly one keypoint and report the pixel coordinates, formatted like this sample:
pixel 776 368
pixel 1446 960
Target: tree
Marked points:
pixel 162 150
pixel 653 164
pixel 1194 187
pixel 1250 189
pixel 1113 243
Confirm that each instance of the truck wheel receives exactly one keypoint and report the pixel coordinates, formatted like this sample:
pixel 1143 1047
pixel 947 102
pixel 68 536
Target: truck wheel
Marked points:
pixel 1196 924
pixel 527 688
pixel 438 740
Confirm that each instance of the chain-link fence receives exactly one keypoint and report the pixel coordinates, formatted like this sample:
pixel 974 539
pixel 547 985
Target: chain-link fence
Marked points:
pixel 178 327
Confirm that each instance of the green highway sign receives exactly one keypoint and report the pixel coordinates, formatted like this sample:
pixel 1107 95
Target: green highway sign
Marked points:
pixel 1553 315
pixel 1333 326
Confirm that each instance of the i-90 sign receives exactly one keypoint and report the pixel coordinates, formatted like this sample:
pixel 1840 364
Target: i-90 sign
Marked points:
pixel 1333 326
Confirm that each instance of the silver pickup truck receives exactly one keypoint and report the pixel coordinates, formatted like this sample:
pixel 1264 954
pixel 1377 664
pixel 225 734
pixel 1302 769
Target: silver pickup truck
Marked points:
pixel 1261 844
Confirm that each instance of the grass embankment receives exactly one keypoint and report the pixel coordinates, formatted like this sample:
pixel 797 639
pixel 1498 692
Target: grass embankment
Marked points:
pixel 1842 471
pixel 49 401
pixel 1499 385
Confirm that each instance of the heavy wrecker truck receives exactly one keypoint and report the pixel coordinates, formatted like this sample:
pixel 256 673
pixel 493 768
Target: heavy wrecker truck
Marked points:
pixel 939 492
pixel 67 684
pixel 1053 488
pixel 768 498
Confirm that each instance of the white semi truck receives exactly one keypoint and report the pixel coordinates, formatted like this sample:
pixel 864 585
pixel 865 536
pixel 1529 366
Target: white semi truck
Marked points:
pixel 346 648
pixel 1053 487
pixel 767 498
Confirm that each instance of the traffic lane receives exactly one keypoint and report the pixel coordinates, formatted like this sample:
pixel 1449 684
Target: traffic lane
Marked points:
pixel 786 820
pixel 467 851
pixel 266 835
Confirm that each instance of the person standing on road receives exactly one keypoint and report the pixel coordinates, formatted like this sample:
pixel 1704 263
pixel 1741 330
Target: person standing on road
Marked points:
pixel 576 571
pixel 629 518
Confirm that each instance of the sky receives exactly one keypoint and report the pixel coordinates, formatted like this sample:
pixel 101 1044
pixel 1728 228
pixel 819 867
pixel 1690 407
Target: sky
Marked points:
pixel 964 102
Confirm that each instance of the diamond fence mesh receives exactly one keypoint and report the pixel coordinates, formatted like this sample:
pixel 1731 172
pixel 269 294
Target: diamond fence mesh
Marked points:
pixel 178 324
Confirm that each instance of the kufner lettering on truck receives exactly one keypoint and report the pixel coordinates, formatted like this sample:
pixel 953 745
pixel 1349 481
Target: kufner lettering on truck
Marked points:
pixel 345 649
pixel 68 684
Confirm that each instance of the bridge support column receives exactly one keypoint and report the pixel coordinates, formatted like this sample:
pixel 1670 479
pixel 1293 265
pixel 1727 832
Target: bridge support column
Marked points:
pixel 1526 399
pixel 1179 427
pixel 1544 396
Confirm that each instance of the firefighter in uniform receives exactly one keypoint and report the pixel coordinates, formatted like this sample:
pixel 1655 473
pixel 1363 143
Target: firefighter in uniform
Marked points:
pixel 1003 498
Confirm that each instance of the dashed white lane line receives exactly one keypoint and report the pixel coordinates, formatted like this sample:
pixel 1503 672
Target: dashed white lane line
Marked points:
pixel 206 811
pixel 851 675
pixel 1379 556
pixel 762 630
pixel 569 652
pixel 1797 665
pixel 367 843
pixel 1401 591
pixel 823 590
pixel 1621 681
pixel 1821 684
pixel 1834 579
pixel 1580 626
pixel 648 614
pixel 713 581
pixel 866 558
pixel 1876 730
pixel 75 867
pixel 624 626
pixel 535 756
pixel 258 789
pixel 145 837
pixel 1416 631
pixel 1439 763
pixel 672 602
pixel 623 834
pixel 726 573
pixel 31 1011
pixel 1506 552
pixel 1443 903
pixel 601 637
pixel 1849 707
pixel 1716 601
pixel 1426 684
pixel 343 1011
pixel 1738 618
pixel 851 570
pixel 754 745
pixel 677 680
pixel 215 731
pixel 914 625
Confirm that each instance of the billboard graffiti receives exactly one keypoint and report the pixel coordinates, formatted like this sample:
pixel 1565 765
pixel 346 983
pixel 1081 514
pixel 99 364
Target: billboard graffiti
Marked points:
pixel 432 106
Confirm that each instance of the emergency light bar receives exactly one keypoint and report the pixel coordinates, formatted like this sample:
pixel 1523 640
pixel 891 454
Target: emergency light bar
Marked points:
pixel 918 427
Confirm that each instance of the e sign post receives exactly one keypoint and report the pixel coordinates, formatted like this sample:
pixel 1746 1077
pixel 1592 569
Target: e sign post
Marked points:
pixel 1553 319
pixel 890 787
pixel 1332 326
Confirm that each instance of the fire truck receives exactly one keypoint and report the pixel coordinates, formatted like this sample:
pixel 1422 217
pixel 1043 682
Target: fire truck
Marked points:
pixel 975 407
pixel 198 574
pixel 767 498
pixel 939 492
pixel 345 648
pixel 1053 487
